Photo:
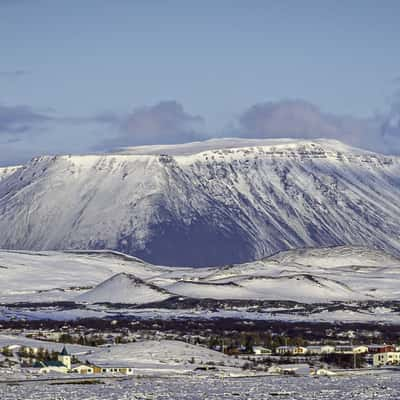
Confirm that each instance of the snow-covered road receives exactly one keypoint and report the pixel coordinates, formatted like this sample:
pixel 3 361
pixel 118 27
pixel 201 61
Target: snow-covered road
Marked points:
pixel 383 386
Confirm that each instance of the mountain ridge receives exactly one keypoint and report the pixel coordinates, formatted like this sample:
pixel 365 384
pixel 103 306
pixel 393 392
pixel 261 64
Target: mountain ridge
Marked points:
pixel 205 206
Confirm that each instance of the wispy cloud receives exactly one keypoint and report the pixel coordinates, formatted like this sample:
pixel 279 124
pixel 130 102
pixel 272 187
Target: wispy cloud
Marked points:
pixel 300 119
pixel 167 122
pixel 20 119
pixel 14 74
pixel 164 122
pixel 390 129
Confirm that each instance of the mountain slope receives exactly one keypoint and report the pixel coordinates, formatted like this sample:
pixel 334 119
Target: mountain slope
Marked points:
pixel 7 171
pixel 124 288
pixel 339 256
pixel 209 203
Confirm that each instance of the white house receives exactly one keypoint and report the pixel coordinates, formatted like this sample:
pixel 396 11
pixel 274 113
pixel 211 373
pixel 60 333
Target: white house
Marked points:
pixel 293 350
pixel 259 351
pixel 323 349
pixel 100 368
pixel 388 358
pixel 349 349
pixel 83 369
pixel 290 369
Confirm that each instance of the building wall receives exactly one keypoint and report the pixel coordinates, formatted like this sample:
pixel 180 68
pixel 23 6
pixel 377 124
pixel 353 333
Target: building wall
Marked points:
pixel 49 369
pixel 382 349
pixel 112 370
pixel 83 370
pixel 66 360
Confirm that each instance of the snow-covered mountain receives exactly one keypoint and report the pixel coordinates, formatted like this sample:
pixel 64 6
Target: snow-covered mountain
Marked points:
pixel 7 171
pixel 206 203
pixel 344 273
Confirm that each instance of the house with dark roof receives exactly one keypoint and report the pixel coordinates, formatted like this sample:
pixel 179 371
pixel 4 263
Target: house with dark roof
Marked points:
pixel 50 366
pixel 62 364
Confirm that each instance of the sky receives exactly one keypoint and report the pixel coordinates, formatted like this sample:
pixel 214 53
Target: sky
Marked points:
pixel 91 76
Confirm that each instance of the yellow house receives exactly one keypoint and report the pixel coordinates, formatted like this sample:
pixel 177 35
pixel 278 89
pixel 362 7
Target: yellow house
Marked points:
pixel 388 358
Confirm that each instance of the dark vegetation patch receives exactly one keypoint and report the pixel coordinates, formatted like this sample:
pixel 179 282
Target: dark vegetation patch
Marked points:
pixel 222 327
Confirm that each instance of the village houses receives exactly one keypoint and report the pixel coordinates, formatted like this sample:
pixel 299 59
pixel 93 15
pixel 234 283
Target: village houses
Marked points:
pixel 293 350
pixel 349 349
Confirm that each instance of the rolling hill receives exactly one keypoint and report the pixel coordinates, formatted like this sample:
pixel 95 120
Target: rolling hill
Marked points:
pixel 304 276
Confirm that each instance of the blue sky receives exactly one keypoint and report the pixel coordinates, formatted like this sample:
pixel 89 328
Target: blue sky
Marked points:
pixel 81 76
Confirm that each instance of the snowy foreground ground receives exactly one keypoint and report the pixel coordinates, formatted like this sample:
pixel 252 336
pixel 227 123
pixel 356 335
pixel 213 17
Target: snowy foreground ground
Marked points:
pixel 383 386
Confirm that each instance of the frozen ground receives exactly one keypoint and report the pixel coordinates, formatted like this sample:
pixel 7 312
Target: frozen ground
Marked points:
pixel 150 357
pixel 383 386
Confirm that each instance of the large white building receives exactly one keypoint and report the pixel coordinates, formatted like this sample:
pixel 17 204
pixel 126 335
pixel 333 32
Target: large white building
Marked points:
pixel 323 349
